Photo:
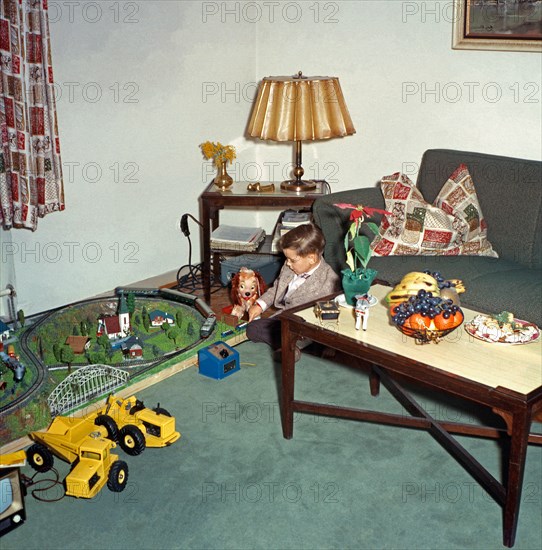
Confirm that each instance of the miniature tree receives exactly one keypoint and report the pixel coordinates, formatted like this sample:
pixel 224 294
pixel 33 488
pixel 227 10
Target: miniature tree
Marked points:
pixel 104 341
pixel 41 352
pixel 84 328
pixel 146 319
pixel 76 331
pixel 56 352
pixel 165 326
pixel 173 334
pixel 20 316
pixel 156 350
pixel 190 329
pixel 130 302
pixel 179 318
pixel 67 356
pixel 97 357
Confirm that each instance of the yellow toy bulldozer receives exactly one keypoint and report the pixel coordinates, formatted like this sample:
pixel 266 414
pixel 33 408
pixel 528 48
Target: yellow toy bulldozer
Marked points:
pixel 135 426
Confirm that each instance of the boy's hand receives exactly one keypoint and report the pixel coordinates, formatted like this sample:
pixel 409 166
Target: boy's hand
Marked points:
pixel 254 311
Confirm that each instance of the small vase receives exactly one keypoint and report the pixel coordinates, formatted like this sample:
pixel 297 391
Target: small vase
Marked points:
pixel 223 179
pixel 357 282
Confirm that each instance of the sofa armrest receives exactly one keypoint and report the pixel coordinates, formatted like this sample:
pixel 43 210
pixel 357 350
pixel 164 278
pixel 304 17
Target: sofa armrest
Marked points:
pixel 334 222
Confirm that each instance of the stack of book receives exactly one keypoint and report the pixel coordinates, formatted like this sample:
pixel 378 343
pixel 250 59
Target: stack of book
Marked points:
pixel 232 237
pixel 288 220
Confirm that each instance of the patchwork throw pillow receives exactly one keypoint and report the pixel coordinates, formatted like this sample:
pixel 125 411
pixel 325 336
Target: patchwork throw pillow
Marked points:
pixel 452 225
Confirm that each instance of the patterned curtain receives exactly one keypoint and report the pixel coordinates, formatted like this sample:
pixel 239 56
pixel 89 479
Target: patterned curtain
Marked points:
pixel 30 168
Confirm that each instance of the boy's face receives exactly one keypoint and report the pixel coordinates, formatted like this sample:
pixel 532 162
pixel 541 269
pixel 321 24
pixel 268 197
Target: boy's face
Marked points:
pixel 299 264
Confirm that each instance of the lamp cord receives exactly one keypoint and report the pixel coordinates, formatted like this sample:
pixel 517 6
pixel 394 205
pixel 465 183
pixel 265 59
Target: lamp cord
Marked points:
pixel 192 281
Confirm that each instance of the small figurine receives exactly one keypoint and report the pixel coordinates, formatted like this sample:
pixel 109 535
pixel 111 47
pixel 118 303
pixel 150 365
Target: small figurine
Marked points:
pixel 246 287
pixel 362 311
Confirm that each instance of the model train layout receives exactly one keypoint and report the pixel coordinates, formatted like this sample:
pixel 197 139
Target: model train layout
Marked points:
pixel 138 331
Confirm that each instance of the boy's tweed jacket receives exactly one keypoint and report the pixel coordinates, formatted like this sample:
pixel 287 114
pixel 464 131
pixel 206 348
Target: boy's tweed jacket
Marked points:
pixel 322 282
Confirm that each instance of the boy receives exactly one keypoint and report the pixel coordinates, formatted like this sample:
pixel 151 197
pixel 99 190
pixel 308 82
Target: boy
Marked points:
pixel 305 276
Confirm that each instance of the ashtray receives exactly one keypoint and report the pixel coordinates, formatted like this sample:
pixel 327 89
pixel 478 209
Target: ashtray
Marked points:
pixel 341 301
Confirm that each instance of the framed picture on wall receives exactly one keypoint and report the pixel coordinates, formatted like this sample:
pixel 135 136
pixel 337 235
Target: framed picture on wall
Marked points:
pixel 507 25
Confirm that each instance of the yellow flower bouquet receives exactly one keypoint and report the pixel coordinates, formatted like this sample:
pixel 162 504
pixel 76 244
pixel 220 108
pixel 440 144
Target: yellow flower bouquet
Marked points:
pixel 220 154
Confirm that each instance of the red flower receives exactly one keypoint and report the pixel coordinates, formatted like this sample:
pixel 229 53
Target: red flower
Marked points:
pixel 359 211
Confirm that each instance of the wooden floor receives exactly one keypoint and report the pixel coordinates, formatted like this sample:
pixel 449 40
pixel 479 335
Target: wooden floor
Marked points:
pixel 220 296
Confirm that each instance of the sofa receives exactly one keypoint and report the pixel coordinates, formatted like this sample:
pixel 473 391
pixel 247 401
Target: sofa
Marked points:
pixel 509 192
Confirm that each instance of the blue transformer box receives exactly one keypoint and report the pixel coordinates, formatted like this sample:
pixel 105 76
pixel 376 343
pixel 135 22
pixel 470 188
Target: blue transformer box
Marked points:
pixel 218 361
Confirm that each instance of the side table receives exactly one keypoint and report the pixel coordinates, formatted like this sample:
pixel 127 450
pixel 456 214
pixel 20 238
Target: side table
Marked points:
pixel 213 200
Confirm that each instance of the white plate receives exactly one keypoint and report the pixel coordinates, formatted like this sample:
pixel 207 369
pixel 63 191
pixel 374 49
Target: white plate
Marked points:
pixel 341 301
pixel 514 339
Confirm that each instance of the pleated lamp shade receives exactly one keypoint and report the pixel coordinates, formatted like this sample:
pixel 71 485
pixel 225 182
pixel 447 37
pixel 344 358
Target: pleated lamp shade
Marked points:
pixel 299 108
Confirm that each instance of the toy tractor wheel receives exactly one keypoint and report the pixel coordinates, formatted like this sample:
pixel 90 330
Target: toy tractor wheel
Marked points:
pixel 132 440
pixel 109 424
pixel 40 458
pixel 118 476
pixel 160 410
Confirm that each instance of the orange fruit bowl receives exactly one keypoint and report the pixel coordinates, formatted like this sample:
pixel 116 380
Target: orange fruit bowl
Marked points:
pixel 426 330
pixel 424 336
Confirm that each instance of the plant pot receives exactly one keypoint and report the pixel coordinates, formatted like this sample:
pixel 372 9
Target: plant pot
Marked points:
pixel 357 282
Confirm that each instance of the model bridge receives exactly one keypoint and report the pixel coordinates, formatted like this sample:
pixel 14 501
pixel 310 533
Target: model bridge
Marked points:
pixel 83 385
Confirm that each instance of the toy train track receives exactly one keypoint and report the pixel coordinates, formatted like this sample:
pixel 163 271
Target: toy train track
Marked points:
pixel 206 330
pixel 181 297
pixel 41 372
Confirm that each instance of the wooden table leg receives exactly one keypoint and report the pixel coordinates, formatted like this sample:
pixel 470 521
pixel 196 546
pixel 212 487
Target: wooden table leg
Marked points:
pixel 521 425
pixel 288 380
pixel 374 382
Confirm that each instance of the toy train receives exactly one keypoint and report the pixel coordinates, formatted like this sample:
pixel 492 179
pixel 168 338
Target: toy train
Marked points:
pixel 12 362
pixel 181 297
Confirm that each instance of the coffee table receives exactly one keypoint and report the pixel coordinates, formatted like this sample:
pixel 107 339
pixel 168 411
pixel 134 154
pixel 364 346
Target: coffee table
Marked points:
pixel 505 378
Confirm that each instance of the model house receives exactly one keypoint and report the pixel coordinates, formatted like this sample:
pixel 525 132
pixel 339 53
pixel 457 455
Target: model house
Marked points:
pixel 115 326
pixel 159 317
pixel 79 344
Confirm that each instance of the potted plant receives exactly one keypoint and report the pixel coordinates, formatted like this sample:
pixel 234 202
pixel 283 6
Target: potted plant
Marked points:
pixel 357 278
pixel 221 155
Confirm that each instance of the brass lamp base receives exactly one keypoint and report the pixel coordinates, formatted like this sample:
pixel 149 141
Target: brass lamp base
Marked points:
pixel 298 185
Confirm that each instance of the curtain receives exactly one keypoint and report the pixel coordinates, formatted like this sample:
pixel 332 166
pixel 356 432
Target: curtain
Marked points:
pixel 30 168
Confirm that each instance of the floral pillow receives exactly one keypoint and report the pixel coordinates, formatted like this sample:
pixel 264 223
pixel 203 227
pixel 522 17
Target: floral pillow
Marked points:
pixel 452 225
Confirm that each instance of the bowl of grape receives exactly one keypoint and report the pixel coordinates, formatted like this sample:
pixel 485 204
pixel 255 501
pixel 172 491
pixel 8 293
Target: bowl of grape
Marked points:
pixel 426 316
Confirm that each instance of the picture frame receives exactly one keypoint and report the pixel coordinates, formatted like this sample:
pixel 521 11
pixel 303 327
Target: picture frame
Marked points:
pixel 501 25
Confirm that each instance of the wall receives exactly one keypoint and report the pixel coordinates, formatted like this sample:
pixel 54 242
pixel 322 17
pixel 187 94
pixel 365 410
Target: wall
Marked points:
pixel 141 84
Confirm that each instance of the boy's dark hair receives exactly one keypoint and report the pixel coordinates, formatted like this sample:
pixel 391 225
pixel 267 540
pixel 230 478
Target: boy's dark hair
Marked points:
pixel 304 239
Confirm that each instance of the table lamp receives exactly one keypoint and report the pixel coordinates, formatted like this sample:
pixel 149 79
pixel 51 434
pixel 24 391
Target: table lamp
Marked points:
pixel 299 108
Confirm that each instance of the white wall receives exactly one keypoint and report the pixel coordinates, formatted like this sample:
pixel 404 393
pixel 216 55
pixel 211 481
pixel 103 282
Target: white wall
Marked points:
pixel 142 84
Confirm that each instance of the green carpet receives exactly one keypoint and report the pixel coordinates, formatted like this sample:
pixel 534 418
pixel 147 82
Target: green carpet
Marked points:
pixel 232 481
